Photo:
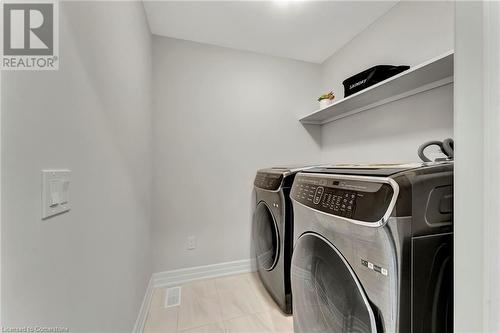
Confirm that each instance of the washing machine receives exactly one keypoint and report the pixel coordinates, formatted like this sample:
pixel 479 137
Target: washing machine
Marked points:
pixel 272 231
pixel 373 249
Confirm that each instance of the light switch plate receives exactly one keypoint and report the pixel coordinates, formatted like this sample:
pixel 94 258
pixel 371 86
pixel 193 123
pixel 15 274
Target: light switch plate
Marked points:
pixel 55 192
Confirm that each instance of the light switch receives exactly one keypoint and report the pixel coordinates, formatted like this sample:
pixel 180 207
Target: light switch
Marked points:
pixel 65 192
pixel 55 192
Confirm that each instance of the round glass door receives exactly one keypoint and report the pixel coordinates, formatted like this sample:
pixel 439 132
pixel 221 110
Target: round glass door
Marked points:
pixel 327 295
pixel 266 238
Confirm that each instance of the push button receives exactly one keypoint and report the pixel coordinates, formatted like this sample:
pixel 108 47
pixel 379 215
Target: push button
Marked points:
pixel 319 193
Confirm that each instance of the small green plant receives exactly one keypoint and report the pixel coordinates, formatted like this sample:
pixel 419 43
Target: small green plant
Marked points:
pixel 329 96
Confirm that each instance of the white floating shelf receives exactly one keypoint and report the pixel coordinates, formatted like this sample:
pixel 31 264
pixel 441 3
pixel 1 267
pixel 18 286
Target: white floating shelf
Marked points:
pixel 429 75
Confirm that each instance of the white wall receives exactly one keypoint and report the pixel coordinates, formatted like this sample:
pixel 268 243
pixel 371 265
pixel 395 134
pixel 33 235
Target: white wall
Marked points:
pixel 471 205
pixel 219 115
pixel 88 269
pixel 491 86
pixel 410 33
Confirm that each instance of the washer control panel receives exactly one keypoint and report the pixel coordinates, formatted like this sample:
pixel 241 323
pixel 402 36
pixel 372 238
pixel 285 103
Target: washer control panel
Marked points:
pixel 268 180
pixel 365 201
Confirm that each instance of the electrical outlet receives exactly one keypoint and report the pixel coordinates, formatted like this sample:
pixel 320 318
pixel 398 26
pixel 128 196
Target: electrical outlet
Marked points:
pixel 191 243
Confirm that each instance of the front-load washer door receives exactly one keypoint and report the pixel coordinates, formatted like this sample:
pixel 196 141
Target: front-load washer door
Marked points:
pixel 266 237
pixel 327 295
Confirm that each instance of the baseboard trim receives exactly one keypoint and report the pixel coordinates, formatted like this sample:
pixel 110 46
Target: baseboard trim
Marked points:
pixel 181 276
pixel 143 311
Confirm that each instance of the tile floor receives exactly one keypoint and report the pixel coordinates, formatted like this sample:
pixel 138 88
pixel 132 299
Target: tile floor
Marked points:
pixel 231 304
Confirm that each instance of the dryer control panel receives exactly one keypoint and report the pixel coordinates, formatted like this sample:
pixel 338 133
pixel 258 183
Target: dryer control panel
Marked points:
pixel 268 181
pixel 365 201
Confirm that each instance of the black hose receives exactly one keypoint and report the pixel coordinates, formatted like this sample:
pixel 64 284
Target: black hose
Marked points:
pixel 446 147
pixel 425 145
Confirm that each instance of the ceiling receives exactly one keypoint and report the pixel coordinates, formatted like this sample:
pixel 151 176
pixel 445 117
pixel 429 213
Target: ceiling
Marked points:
pixel 302 30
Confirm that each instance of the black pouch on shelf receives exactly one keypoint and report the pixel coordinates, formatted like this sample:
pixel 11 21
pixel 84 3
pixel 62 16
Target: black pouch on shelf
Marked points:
pixel 370 77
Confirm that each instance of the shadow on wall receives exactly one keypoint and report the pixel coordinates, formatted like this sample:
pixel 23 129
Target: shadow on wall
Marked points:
pixel 253 204
pixel 391 133
pixel 125 119
pixel 315 132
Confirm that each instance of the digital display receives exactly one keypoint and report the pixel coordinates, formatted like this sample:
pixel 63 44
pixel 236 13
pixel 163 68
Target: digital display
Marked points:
pixel 339 202
pixel 363 201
